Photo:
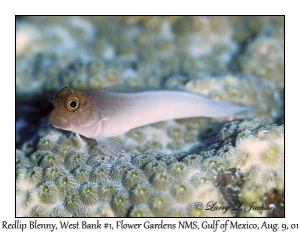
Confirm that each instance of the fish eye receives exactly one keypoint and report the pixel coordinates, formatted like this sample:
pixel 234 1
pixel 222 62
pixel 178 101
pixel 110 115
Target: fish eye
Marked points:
pixel 73 104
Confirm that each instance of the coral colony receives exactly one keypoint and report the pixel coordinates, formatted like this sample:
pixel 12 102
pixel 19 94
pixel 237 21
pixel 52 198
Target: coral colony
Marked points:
pixel 221 162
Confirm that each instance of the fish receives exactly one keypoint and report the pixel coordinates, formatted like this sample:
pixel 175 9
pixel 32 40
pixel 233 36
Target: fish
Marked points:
pixel 110 112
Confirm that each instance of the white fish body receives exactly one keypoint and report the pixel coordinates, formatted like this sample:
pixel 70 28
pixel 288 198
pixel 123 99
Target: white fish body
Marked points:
pixel 132 110
pixel 107 113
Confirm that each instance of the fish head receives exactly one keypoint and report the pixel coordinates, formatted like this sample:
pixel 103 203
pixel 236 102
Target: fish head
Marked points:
pixel 74 110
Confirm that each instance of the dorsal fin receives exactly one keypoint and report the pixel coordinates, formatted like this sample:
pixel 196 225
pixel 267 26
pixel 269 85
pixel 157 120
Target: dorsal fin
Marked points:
pixel 124 88
pixel 120 88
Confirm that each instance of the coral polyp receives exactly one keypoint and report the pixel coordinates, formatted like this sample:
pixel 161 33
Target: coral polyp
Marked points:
pixel 182 192
pixel 34 175
pixel 162 181
pixel 141 193
pixel 193 161
pixel 88 193
pixel 154 168
pixel 74 160
pixel 82 174
pixel 273 155
pixel 53 172
pixel 72 201
pixel 120 202
pixel 134 177
pixel 107 189
pixel 179 170
pixel 48 193
pixel 160 203
pixel 100 173
pixel 65 182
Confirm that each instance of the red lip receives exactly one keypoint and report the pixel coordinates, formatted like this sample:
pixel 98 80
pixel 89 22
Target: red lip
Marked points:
pixel 59 122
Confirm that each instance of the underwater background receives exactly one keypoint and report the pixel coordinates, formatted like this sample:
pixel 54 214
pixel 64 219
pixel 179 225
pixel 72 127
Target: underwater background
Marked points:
pixel 181 162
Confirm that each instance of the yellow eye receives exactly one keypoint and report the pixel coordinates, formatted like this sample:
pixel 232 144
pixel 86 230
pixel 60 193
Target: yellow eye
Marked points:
pixel 73 104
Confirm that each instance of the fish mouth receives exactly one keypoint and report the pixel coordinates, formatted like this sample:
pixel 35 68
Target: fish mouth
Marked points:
pixel 59 122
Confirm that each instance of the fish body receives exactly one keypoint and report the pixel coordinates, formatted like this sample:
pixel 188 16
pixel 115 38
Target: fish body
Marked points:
pixel 107 113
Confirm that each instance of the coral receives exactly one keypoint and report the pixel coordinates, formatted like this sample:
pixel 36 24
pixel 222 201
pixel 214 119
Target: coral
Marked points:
pixel 275 197
pixel 230 183
pixel 264 58
pixel 154 184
